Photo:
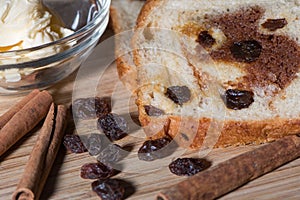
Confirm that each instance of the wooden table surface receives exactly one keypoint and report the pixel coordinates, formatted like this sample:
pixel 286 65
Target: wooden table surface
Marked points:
pixel 147 178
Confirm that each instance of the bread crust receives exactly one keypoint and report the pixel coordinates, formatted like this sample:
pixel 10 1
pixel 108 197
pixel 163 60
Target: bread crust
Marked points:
pixel 122 67
pixel 148 7
pixel 114 19
pixel 191 132
pixel 231 133
pixel 124 60
pixel 145 11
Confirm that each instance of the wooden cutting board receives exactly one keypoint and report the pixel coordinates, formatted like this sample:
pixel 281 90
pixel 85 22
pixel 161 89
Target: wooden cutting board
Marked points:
pixel 147 178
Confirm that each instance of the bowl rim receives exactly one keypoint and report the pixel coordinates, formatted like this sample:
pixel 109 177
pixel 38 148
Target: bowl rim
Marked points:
pixel 89 26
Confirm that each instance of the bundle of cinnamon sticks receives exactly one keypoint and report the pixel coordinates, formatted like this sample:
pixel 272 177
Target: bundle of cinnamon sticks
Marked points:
pixel 21 119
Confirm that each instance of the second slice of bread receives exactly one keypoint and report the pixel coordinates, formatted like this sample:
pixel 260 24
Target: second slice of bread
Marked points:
pixel 124 15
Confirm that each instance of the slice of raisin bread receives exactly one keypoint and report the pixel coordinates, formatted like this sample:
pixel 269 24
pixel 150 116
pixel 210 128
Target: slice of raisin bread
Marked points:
pixel 223 70
pixel 124 14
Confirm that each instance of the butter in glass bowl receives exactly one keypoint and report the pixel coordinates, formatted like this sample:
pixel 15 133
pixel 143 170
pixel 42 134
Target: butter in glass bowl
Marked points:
pixel 38 48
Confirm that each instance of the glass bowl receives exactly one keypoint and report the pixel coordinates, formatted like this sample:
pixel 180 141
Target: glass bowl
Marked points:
pixel 51 62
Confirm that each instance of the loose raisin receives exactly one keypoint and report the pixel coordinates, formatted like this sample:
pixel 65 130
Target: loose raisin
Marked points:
pixel 188 166
pixel 111 154
pixel 179 94
pixel 149 151
pixel 274 24
pixel 205 39
pixel 238 99
pixel 110 189
pixel 246 51
pixel 94 144
pixel 74 143
pixel 88 108
pixel 96 171
pixel 153 111
pixel 113 126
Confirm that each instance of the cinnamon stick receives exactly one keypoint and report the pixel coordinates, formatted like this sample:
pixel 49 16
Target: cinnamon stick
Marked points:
pixel 235 172
pixel 12 111
pixel 42 156
pixel 24 120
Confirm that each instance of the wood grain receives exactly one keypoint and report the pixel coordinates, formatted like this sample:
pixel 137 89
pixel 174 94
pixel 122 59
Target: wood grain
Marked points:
pixel 64 181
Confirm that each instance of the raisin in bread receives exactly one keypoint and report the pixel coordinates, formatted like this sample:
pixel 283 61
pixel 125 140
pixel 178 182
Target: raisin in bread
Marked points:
pixel 224 70
pixel 124 14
